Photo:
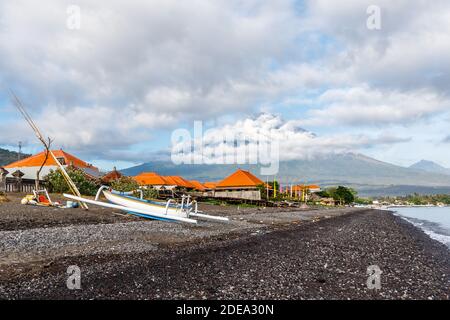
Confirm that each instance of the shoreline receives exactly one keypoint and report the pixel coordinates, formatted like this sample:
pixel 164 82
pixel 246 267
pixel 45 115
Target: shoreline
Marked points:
pixel 314 259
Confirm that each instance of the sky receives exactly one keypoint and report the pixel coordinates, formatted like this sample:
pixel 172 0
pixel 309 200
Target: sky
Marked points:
pixel 111 81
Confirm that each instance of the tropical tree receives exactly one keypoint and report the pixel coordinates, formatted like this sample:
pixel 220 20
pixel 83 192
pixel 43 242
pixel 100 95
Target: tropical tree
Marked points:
pixel 56 183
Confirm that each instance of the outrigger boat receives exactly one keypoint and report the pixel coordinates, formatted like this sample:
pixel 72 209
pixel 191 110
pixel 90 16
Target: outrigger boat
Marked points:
pixel 166 211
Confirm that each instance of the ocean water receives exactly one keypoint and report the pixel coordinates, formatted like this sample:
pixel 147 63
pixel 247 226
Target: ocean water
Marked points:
pixel 434 221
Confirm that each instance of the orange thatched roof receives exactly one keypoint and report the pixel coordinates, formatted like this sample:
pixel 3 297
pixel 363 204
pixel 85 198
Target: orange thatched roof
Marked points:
pixel 38 159
pixel 112 176
pixel 240 178
pixel 180 181
pixel 210 185
pixel 197 185
pixel 304 187
pixel 150 178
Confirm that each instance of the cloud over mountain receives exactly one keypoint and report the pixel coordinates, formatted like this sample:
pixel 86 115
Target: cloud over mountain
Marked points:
pixel 134 69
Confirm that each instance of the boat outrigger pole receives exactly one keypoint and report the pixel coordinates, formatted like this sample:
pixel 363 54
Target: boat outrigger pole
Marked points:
pixel 18 104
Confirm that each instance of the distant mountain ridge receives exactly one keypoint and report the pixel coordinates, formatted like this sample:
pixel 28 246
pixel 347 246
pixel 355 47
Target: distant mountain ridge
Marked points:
pixel 430 166
pixel 364 173
pixel 7 157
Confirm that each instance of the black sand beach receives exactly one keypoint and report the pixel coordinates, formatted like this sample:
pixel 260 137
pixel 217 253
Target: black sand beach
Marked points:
pixel 316 254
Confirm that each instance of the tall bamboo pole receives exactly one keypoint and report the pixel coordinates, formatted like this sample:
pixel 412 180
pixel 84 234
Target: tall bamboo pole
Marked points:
pixel 39 135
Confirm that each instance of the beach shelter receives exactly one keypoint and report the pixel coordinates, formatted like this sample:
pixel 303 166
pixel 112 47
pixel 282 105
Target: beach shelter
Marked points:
pixel 240 179
pixel 197 185
pixel 210 185
pixel 152 179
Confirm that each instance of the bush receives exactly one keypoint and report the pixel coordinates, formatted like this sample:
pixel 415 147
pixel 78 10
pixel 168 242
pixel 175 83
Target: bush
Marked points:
pixel 124 184
pixel 342 194
pixel 56 183
pixel 150 193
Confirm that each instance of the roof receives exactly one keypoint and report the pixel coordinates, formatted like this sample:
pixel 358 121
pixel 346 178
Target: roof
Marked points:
pixel 112 176
pixel 240 178
pixel 305 187
pixel 197 185
pixel 151 178
pixel 180 181
pixel 38 159
pixel 210 185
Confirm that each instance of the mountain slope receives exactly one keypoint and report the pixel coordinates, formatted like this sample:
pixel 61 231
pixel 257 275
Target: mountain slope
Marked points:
pixel 6 156
pixel 430 166
pixel 350 169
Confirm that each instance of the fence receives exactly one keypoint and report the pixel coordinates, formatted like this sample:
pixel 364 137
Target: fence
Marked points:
pixel 27 186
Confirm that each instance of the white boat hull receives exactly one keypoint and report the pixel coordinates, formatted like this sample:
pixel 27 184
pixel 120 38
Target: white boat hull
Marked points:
pixel 136 204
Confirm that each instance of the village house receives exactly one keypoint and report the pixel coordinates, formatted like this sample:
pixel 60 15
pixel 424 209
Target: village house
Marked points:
pixel 30 166
pixel 24 172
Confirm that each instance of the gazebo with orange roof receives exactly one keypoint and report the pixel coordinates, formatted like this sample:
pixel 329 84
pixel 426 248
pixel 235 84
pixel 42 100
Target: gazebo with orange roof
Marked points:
pixel 197 185
pixel 153 179
pixel 240 179
pixel 210 185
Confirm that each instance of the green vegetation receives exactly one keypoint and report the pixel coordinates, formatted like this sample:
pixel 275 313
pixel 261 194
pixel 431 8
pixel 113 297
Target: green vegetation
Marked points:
pixel 363 201
pixel 340 194
pixel 124 184
pixel 150 193
pixel 55 182
pixel 7 157
pixel 418 199
pixel 216 202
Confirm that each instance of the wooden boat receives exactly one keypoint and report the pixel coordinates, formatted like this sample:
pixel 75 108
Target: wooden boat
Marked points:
pixel 168 211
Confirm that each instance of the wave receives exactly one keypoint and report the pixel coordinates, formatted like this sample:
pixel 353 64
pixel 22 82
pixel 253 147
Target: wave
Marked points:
pixel 432 229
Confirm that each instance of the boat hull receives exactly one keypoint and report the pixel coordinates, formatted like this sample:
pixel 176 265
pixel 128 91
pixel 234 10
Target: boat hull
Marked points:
pixel 141 205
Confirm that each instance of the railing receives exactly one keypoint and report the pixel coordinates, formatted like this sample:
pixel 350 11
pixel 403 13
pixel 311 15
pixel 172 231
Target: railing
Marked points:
pixel 26 185
pixel 23 188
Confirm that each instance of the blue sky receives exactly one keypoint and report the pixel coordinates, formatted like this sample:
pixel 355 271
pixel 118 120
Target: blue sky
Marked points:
pixel 114 90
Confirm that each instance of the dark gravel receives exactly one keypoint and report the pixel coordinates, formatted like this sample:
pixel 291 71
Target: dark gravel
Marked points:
pixel 327 259
pixel 14 216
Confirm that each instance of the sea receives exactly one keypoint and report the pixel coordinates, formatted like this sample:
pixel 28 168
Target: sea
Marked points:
pixel 434 221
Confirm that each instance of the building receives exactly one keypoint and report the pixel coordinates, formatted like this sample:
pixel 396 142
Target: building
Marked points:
pixel 239 185
pixel 210 186
pixel 30 166
pixel 180 182
pixel 154 180
pixel 111 176
pixel 198 185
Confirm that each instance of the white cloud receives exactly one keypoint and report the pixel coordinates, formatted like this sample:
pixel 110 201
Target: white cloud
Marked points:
pixel 138 67
pixel 362 106
pixel 244 137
